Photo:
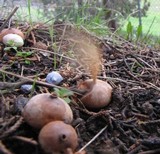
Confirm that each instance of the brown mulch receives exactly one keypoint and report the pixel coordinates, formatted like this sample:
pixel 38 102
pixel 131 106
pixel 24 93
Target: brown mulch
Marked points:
pixel 131 122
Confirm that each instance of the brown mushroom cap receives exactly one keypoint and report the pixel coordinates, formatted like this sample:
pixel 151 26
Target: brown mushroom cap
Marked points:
pixel 98 94
pixel 11 31
pixel 56 137
pixel 44 108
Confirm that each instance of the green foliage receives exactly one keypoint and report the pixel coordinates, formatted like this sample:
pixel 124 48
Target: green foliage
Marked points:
pixel 85 15
pixel 51 32
pixel 127 7
pixel 21 54
pixel 54 46
pixel 9 48
pixel 134 33
pixel 64 94
pixel 93 17
pixel 24 55
pixel 29 11
pixel 3 76
pixel 33 87
pixel 129 30
pixel 147 35
pixel 11 43
pixel 139 32
pixel 96 24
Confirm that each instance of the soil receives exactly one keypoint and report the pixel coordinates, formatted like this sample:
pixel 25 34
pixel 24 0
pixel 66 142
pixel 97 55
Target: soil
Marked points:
pixel 129 124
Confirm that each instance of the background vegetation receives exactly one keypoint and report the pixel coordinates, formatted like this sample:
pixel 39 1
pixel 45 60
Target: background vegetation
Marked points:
pixel 102 16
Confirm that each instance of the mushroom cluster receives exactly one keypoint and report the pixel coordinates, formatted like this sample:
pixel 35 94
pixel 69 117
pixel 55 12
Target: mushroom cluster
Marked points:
pixel 12 37
pixel 53 116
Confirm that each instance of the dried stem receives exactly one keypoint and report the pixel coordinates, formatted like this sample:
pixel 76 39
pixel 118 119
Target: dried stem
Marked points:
pixel 99 133
pixel 8 18
pixel 28 80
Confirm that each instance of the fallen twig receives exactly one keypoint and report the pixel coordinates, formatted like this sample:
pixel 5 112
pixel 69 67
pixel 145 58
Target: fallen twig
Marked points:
pixel 3 149
pixel 6 85
pixel 25 139
pixel 99 133
pixel 12 128
pixel 34 81
pixel 154 151
pixel 9 17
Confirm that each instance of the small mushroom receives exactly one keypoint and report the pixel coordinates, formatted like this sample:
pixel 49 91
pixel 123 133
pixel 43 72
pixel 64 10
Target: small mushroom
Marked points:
pixel 97 95
pixel 57 137
pixel 12 37
pixel 44 108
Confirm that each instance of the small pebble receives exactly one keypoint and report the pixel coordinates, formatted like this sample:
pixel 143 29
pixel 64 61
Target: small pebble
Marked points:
pixel 158 101
pixel 148 108
pixel 26 88
pixel 20 103
pixel 54 78
pixel 112 57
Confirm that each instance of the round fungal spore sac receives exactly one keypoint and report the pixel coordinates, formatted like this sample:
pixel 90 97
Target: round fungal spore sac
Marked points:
pixel 26 88
pixel 44 108
pixel 57 137
pixel 54 78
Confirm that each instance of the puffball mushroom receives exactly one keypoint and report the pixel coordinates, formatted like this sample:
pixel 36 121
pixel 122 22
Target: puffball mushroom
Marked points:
pixel 97 95
pixel 57 137
pixel 13 40
pixel 44 108
pixel 12 37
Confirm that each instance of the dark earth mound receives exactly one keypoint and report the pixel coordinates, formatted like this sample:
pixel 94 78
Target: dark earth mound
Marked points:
pixel 131 122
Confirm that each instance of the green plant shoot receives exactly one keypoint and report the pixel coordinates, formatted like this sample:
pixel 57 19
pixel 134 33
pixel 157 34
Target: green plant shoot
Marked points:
pixel 64 94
